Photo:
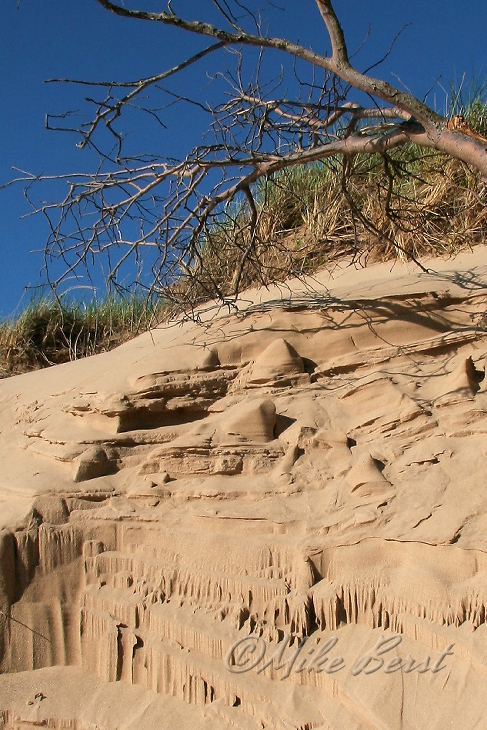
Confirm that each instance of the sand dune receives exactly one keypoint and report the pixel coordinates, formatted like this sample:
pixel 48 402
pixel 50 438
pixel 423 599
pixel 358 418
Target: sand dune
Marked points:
pixel 299 482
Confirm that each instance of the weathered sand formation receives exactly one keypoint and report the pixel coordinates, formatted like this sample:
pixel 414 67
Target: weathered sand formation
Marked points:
pixel 309 472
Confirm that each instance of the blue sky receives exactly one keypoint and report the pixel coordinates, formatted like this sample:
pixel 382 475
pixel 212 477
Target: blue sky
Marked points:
pixel 44 39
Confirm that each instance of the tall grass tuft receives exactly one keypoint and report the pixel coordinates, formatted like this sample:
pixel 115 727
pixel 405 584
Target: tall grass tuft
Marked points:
pixel 49 332
pixel 408 203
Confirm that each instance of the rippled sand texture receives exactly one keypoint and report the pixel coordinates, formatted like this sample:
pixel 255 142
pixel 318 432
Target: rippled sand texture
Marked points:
pixel 311 468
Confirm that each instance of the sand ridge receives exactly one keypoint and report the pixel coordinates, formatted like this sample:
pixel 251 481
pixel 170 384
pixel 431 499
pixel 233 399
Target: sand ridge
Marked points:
pixel 311 466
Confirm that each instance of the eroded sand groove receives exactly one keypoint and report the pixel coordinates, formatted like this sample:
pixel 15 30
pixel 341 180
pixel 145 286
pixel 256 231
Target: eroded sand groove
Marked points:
pixel 295 471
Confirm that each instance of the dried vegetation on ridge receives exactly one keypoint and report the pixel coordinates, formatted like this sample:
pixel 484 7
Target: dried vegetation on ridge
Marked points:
pixel 406 203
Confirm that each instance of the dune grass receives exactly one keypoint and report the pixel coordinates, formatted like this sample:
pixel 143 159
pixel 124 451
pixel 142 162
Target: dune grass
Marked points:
pixel 408 203
pixel 49 332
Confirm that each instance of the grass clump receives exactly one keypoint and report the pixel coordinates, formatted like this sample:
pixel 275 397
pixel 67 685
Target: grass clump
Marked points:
pixel 406 203
pixel 49 332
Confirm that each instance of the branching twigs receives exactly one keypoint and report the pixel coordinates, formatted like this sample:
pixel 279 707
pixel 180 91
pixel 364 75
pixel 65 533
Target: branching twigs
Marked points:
pixel 110 108
pixel 201 216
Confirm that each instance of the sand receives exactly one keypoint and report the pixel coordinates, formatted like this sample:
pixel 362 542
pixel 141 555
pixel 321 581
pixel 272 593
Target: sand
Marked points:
pixel 275 518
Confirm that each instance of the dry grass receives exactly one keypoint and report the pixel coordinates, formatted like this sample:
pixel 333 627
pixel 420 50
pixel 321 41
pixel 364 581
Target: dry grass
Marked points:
pixel 49 333
pixel 409 204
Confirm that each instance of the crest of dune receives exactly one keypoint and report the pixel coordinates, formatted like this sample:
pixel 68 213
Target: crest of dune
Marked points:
pixel 307 473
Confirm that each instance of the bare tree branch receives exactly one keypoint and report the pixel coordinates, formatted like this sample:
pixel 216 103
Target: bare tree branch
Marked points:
pixel 202 217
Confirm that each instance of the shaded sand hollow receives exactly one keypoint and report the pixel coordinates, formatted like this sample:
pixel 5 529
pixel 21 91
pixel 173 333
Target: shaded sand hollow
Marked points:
pixel 276 518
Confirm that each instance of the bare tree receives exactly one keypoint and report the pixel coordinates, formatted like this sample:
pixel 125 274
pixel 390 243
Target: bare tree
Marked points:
pixel 179 208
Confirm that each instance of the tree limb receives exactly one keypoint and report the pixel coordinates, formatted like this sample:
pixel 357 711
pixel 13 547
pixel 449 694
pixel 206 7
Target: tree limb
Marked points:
pixel 196 214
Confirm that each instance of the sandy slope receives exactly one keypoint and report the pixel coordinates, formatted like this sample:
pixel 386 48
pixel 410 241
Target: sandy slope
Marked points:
pixel 310 466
